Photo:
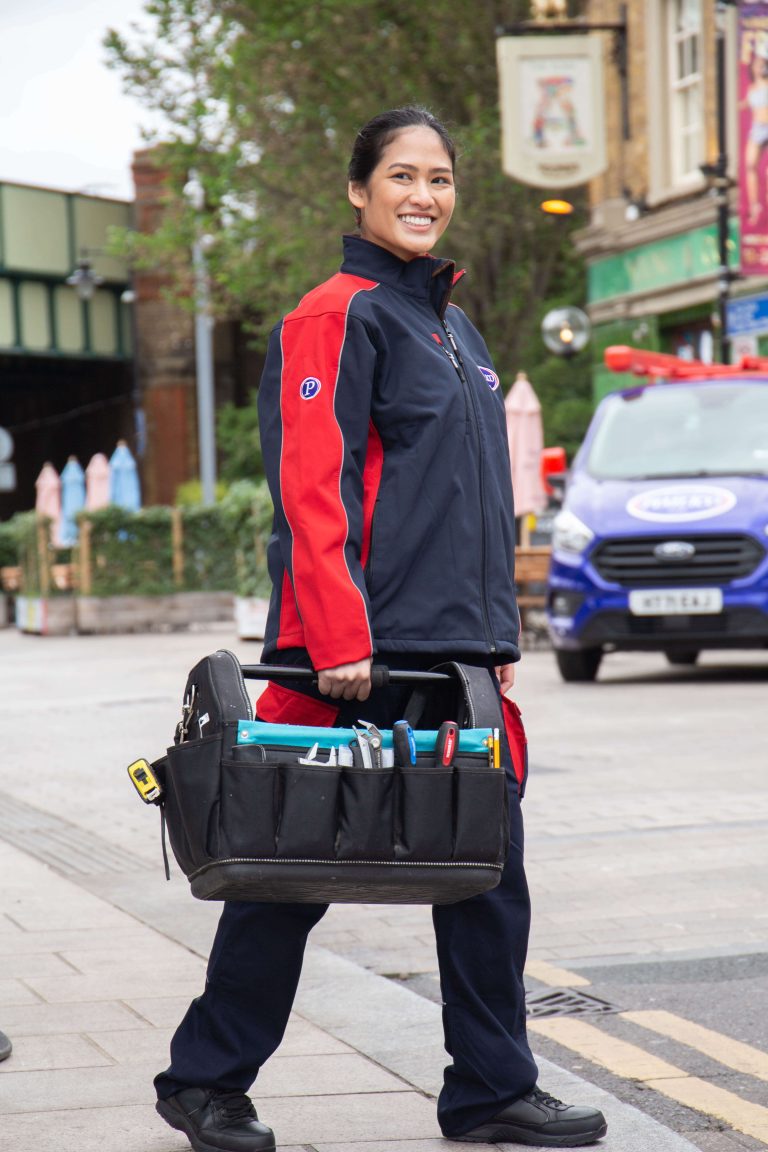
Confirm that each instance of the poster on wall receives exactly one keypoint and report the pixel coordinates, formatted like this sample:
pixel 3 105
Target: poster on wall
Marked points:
pixel 552 100
pixel 753 136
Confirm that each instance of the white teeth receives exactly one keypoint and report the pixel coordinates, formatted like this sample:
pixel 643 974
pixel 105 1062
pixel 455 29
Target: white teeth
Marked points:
pixel 416 219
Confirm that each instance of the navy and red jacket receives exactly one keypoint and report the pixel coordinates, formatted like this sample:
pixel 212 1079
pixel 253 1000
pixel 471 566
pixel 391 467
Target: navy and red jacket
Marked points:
pixel 385 447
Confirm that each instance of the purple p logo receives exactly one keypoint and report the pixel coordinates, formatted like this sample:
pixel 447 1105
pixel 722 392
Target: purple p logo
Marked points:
pixel 309 388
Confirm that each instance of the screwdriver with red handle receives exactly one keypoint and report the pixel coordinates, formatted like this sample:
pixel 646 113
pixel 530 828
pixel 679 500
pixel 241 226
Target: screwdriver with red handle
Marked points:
pixel 447 744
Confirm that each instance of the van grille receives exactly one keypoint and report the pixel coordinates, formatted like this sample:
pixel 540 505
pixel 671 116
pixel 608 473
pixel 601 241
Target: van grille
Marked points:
pixel 632 560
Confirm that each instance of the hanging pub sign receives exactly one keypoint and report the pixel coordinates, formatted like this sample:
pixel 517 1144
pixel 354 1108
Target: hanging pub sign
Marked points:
pixel 753 137
pixel 552 100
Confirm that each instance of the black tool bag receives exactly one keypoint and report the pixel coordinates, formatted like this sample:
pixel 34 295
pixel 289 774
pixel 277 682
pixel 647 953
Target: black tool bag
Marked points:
pixel 249 822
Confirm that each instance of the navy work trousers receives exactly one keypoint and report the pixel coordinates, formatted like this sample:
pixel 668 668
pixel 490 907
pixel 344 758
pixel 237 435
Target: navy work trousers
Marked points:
pixel 230 1031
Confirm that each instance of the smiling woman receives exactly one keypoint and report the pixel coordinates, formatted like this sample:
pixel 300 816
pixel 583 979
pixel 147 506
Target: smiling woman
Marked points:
pixel 406 202
pixel 385 446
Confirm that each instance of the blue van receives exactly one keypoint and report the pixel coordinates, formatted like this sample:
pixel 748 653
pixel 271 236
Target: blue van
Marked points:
pixel 661 543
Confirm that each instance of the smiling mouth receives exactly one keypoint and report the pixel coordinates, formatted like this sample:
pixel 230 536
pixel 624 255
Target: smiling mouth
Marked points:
pixel 418 221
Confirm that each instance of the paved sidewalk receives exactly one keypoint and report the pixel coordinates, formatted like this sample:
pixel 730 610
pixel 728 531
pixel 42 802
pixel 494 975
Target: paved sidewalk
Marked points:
pixel 90 995
pixel 99 956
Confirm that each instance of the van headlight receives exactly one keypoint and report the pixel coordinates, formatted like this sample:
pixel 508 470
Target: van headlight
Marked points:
pixel 570 535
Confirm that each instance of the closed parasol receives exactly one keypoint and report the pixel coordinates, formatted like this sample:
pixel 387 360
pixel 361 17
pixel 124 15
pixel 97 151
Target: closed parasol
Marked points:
pixel 124 487
pixel 525 433
pixel 48 499
pixel 97 482
pixel 72 499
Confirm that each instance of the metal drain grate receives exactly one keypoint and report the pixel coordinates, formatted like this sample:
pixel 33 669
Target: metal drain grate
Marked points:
pixel 64 847
pixel 566 1002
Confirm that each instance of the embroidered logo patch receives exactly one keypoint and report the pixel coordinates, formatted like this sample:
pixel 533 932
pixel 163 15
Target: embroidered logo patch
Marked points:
pixel 491 378
pixel 309 388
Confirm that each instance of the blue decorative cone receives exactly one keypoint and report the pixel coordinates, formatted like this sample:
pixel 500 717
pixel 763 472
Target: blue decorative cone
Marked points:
pixel 124 487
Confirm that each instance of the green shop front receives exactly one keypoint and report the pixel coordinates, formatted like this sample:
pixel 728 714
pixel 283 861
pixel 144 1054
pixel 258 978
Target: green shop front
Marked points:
pixel 661 295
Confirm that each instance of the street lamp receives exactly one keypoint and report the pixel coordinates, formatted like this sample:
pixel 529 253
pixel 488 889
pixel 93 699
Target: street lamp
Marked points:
pixel 194 193
pixel 565 331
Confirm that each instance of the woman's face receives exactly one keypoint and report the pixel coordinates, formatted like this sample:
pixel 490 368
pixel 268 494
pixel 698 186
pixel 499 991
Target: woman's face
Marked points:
pixel 410 195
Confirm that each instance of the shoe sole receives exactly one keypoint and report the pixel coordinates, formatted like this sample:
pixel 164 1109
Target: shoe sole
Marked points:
pixel 179 1121
pixel 509 1134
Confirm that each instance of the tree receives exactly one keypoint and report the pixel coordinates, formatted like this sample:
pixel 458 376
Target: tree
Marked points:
pixel 263 97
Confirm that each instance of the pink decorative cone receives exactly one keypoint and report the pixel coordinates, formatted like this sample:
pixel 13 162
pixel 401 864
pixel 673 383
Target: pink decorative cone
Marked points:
pixel 525 432
pixel 48 500
pixel 97 482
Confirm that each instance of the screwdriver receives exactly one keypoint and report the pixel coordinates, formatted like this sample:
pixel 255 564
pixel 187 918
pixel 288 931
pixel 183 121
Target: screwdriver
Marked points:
pixel 447 743
pixel 404 742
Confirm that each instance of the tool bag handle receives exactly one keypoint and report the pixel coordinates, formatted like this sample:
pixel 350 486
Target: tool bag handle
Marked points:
pixel 381 675
pixel 464 692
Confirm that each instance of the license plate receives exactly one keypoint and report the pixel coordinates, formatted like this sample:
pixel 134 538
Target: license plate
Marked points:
pixel 676 602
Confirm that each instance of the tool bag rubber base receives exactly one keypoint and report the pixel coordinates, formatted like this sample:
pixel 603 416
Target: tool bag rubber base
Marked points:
pixel 251 823
pixel 342 882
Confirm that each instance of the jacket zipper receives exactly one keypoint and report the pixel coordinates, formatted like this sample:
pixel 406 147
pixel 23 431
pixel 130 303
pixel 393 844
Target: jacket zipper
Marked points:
pixel 455 358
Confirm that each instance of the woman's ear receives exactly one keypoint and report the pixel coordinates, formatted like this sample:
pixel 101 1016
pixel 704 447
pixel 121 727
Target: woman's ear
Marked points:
pixel 355 194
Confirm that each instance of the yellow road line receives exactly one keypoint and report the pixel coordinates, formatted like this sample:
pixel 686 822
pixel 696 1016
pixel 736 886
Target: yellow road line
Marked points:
pixel 632 1063
pixel 555 977
pixel 733 1053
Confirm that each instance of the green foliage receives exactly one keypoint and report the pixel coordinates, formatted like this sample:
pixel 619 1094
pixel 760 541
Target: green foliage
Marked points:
pixel 24 528
pixel 565 390
pixel 8 544
pixel 190 493
pixel 263 100
pixel 25 540
pixel 237 438
pixel 209 550
pixel 131 552
pixel 247 508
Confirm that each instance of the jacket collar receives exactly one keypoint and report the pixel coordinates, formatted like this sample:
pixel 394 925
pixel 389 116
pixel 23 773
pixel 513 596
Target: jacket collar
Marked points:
pixel 425 277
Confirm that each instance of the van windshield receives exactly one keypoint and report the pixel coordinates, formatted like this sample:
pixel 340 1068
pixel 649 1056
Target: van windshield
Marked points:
pixel 707 428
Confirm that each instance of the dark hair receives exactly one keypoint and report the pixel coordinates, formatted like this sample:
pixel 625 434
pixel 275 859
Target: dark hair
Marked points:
pixel 374 137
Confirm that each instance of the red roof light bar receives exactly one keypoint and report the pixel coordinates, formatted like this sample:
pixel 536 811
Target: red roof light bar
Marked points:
pixel 642 362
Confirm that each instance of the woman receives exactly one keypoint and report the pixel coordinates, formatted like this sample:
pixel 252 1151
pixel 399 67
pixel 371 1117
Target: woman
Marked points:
pixel 385 445
pixel 757 101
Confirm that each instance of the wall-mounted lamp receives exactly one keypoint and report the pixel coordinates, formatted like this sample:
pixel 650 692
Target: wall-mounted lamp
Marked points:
pixel 84 280
pixel 636 206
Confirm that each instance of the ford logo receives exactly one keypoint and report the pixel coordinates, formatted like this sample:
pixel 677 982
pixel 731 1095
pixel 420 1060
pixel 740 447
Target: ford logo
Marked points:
pixel 672 550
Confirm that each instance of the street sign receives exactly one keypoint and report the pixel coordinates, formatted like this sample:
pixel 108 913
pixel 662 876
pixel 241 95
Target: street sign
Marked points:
pixel 747 314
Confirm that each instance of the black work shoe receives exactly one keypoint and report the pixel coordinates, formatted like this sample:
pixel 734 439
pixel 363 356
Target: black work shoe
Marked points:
pixel 216 1121
pixel 540 1119
pixel 5 1046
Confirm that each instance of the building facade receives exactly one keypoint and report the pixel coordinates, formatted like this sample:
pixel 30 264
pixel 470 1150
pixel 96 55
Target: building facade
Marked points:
pixel 66 366
pixel 653 248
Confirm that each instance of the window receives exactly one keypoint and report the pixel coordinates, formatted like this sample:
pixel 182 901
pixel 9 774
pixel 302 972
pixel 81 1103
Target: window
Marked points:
pixel 674 67
pixel 684 55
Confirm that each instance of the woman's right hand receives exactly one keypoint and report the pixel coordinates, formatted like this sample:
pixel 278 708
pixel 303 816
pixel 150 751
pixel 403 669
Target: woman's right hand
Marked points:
pixel 346 681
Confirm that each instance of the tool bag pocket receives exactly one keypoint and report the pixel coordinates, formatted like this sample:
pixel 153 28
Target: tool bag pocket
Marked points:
pixel 192 787
pixel 477 835
pixel 307 827
pixel 425 812
pixel 366 811
pixel 249 805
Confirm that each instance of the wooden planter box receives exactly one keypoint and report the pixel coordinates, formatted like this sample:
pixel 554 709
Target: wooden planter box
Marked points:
pixel 152 613
pixel 46 615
